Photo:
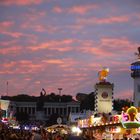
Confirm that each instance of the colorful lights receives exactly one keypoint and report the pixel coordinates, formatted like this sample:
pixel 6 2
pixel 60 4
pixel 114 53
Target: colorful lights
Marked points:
pixel 135 67
pixel 129 119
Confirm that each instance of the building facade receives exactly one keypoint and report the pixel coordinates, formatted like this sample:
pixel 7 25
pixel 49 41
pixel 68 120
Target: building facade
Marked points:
pixel 60 108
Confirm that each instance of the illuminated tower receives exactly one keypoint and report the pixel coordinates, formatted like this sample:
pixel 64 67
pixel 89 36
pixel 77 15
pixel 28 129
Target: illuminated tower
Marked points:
pixel 103 93
pixel 135 74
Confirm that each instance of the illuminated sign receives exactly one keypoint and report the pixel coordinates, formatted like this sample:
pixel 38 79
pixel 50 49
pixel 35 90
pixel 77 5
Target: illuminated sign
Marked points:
pixel 83 123
pixel 138 130
pixel 135 67
pixel 115 118
pixel 113 129
pixel 4 104
pixel 130 118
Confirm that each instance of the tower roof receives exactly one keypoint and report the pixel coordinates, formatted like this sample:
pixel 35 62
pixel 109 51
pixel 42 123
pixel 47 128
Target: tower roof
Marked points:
pixel 136 63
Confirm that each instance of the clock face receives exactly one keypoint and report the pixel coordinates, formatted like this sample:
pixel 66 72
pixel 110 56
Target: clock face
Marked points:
pixel 104 95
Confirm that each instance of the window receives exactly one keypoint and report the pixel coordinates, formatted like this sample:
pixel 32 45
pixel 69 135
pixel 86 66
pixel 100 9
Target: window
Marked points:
pixel 57 111
pixel 69 109
pixel 25 109
pixel 33 110
pixel 73 109
pixel 65 111
pixel 49 110
pixel 17 108
pixel 52 110
pixel 138 88
pixel 29 110
pixel 61 111
pixel 77 109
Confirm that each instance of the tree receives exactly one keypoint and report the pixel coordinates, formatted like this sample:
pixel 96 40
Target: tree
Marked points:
pixel 52 97
pixel 118 104
pixel 80 96
pixel 88 102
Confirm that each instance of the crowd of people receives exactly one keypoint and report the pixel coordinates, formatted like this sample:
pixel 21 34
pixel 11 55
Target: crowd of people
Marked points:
pixel 7 133
pixel 14 134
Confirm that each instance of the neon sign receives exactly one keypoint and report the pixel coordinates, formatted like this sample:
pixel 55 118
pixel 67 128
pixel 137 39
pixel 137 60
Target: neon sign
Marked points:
pixel 135 67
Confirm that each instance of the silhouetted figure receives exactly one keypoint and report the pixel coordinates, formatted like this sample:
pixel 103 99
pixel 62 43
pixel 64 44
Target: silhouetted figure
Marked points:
pixel 40 102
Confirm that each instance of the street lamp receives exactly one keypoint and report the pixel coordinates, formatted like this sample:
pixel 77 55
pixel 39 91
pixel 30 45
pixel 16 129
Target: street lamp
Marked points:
pixel 60 89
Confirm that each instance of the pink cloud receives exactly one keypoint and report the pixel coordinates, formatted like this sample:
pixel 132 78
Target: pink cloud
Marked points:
pixel 39 27
pixel 10 50
pixel 27 79
pixel 82 9
pixel 6 24
pixel 21 67
pixel 5 29
pixel 125 94
pixel 29 64
pixel 19 2
pixel 13 34
pixel 55 61
pixel 114 45
pixel 33 15
pixel 27 67
pixel 59 45
pixel 79 9
pixel 57 9
pixel 37 82
pixel 6 72
pixel 63 63
pixel 107 20
pixel 8 43
pixel 109 47
pixel 38 47
pixel 9 65
pixel 74 28
pixel 113 42
pixel 117 19
pixel 17 35
pixel 97 51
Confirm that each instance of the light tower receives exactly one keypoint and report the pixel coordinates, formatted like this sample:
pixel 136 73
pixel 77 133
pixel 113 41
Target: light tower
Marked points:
pixel 135 74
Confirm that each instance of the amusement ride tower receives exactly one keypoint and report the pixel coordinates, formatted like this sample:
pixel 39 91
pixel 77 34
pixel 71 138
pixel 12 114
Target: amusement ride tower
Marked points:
pixel 135 74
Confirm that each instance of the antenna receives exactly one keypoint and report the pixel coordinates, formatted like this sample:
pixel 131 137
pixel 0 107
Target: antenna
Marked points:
pixel 60 89
pixel 7 90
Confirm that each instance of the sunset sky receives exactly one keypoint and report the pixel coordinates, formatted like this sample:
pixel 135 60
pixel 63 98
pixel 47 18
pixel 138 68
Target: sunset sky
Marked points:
pixel 64 43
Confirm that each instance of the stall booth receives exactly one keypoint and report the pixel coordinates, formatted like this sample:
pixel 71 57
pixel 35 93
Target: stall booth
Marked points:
pixel 113 127
pixel 4 110
pixel 61 128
